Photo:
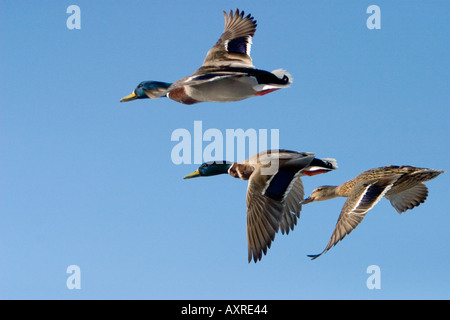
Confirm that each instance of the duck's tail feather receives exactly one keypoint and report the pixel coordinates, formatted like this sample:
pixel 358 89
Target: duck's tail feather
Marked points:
pixel 283 75
pixel 319 166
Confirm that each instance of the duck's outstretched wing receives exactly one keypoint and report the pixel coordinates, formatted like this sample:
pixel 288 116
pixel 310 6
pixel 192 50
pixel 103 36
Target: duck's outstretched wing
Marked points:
pixel 234 45
pixel 408 199
pixel 409 191
pixel 263 217
pixel 285 185
pixel 292 205
pixel 363 197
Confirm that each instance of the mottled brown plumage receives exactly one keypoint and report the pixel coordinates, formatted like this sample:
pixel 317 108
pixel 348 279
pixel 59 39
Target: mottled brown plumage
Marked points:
pixel 401 185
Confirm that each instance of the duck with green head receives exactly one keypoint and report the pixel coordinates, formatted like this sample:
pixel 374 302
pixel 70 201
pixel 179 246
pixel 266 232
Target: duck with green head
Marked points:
pixel 274 191
pixel 227 73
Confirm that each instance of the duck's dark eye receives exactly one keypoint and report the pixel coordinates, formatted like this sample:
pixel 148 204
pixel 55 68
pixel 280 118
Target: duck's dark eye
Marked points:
pixel 140 85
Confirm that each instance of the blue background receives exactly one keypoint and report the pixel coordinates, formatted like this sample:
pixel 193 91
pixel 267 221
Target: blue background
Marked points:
pixel 88 181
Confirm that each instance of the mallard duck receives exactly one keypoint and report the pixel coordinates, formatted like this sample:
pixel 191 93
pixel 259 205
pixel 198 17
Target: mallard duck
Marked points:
pixel 227 73
pixel 402 185
pixel 274 191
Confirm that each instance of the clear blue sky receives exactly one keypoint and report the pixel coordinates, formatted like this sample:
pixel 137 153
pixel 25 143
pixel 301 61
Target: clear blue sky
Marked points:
pixel 88 181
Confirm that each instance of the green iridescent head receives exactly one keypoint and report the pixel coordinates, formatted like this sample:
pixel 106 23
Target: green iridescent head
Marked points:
pixel 148 89
pixel 211 168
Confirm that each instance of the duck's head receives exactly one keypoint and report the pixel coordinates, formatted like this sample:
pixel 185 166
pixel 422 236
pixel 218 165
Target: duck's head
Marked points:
pixel 320 194
pixel 208 169
pixel 148 89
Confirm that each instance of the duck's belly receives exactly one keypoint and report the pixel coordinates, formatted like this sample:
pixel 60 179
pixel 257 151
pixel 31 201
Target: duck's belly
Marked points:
pixel 223 90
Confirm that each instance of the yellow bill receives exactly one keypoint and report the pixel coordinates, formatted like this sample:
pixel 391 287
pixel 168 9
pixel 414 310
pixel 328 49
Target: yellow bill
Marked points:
pixel 194 174
pixel 130 97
